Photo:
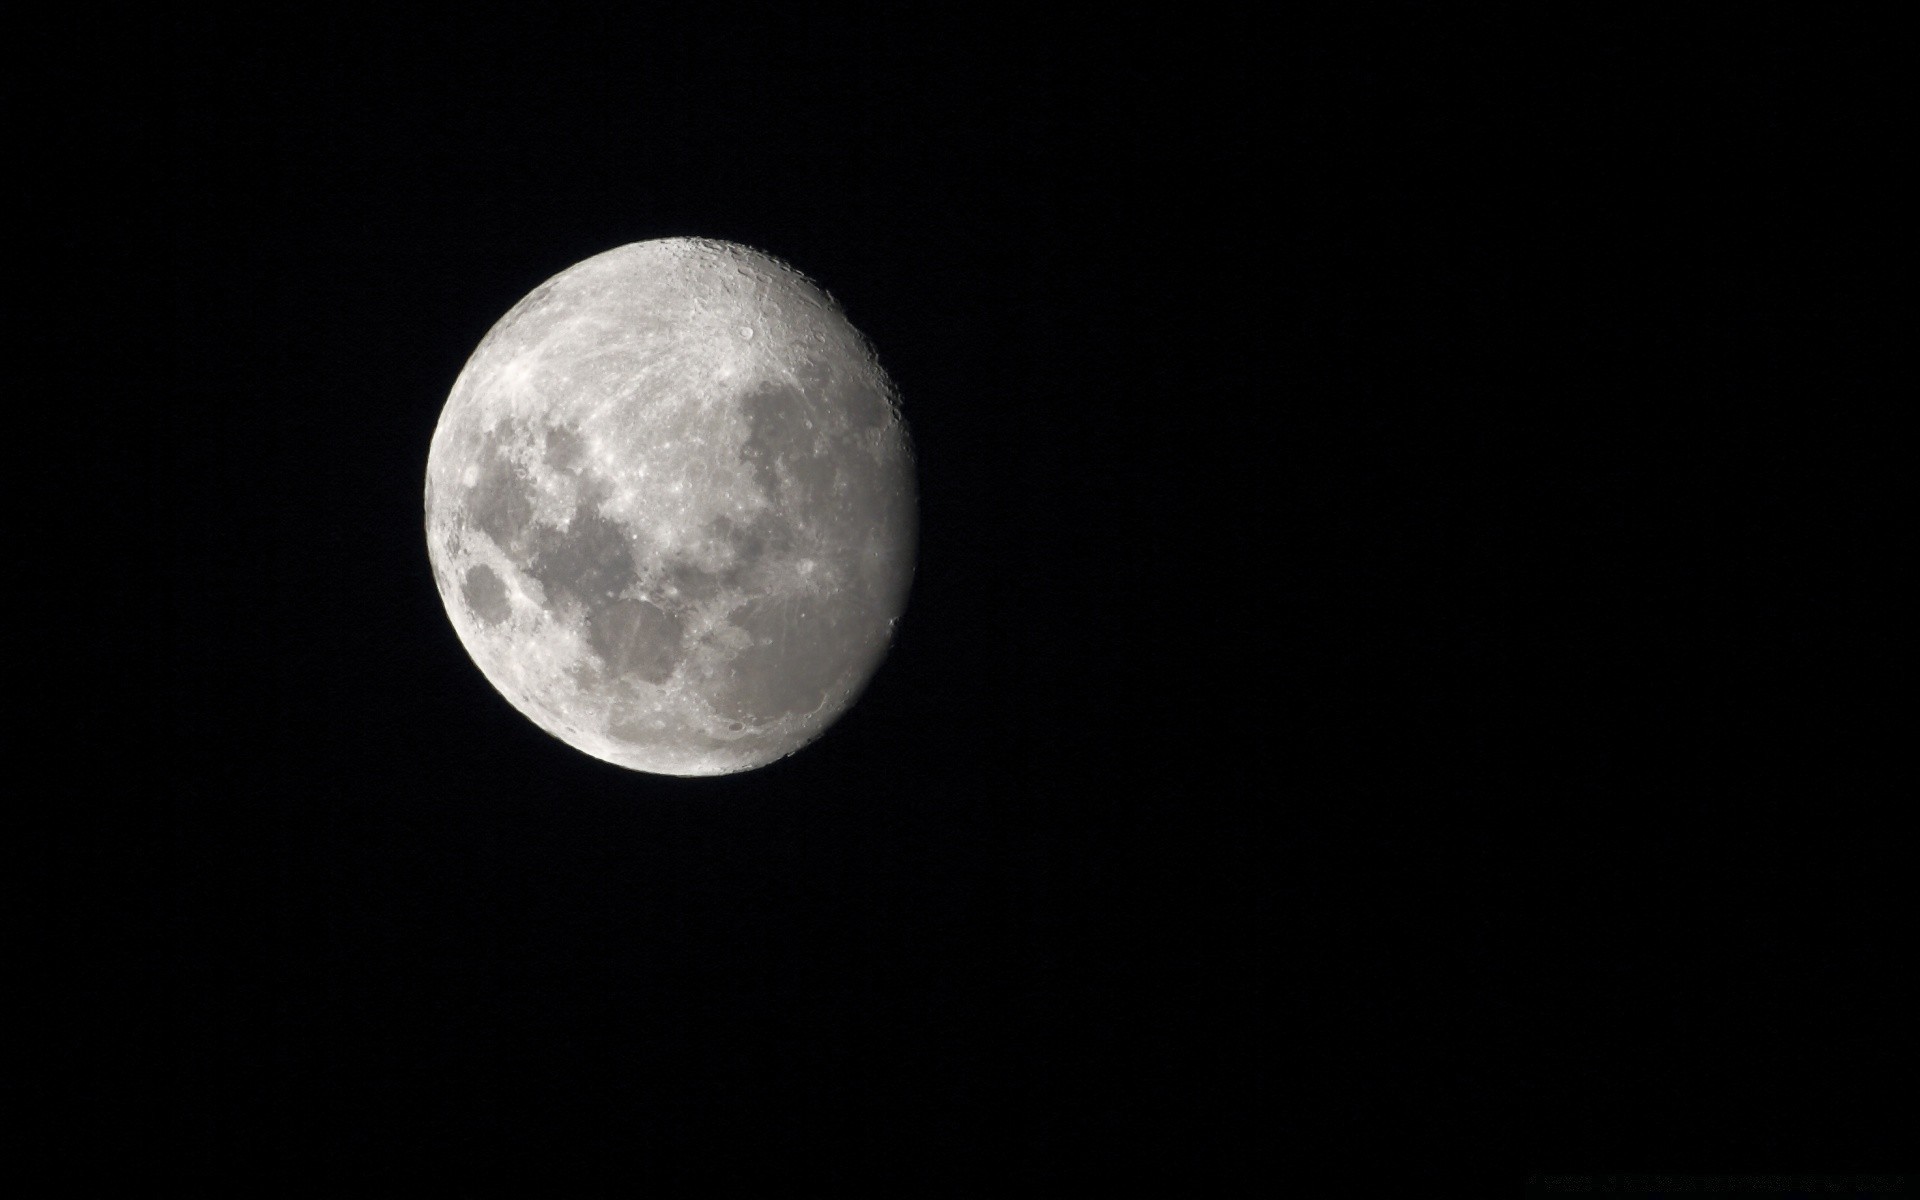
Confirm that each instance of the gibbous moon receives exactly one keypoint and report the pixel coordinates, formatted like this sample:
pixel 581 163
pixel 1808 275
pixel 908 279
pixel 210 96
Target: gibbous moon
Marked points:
pixel 670 508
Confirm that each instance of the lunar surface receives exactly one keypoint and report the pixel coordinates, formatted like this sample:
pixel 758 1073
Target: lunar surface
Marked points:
pixel 670 508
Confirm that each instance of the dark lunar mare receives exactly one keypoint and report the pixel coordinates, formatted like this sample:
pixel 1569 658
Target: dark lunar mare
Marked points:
pixel 590 561
pixel 485 595
pixel 806 460
pixel 635 637
pixel 500 503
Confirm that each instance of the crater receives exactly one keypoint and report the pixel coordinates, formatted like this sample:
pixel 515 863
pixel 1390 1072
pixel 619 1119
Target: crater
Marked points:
pixel 485 595
pixel 636 638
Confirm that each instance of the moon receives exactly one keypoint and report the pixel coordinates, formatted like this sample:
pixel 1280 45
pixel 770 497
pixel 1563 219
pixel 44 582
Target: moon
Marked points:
pixel 670 508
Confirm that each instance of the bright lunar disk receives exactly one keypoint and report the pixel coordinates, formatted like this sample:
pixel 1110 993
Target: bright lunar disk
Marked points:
pixel 670 508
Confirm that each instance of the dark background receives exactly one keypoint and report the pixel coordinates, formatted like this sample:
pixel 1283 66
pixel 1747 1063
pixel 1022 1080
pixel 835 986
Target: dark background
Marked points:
pixel 1381 485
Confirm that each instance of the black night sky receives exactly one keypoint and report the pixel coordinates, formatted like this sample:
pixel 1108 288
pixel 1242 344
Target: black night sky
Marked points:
pixel 1387 680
